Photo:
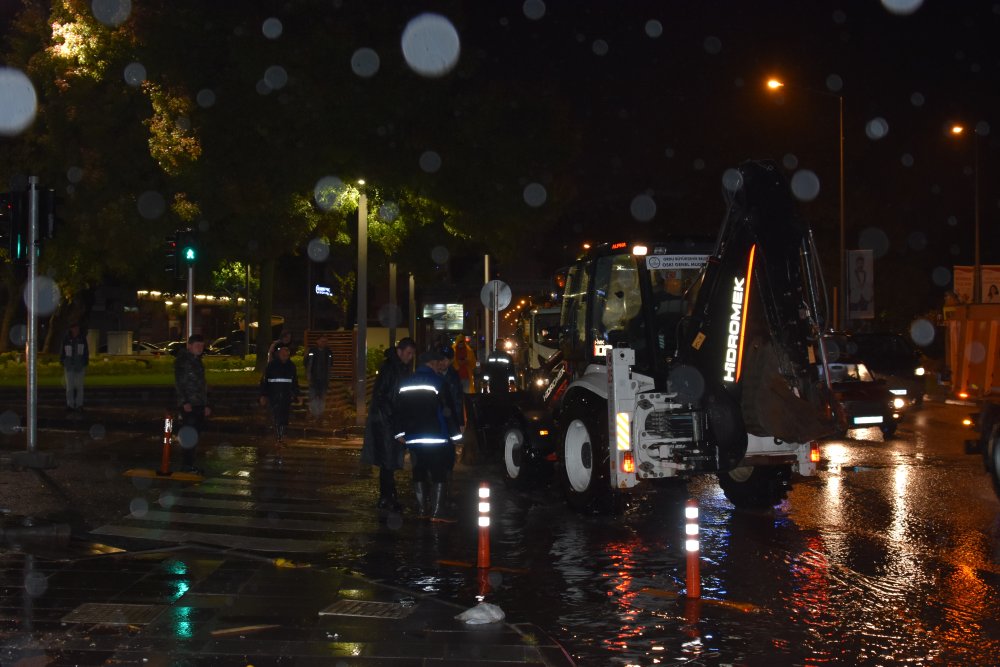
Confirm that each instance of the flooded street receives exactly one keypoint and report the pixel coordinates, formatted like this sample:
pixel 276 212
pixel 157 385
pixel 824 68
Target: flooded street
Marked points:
pixel 889 555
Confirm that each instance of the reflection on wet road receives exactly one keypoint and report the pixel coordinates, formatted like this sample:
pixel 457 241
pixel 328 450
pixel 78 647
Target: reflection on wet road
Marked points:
pixel 889 555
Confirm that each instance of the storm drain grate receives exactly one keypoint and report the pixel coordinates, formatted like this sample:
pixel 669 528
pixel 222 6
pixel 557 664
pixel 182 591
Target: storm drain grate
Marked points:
pixel 367 609
pixel 113 614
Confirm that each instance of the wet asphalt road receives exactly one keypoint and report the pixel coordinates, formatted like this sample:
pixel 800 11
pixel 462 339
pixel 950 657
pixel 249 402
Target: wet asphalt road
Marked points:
pixel 891 554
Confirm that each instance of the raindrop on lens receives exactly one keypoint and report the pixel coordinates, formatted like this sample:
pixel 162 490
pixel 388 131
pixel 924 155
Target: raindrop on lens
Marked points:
pixel 263 88
pixel 151 205
pixel 941 276
pixel 18 101
pixel 805 185
pixel 599 47
pixel 982 129
pixel 276 77
pixel 271 28
pixel 365 62
pixel 535 195
pixel 698 164
pixel 205 98
pixel 111 12
pixel 917 99
pixel 167 499
pixel 834 83
pixel 902 7
pixel 431 45
pixel 18 335
pixel 74 174
pixel 9 422
pixel 318 250
pixel 388 211
pixel 533 9
pixel 874 239
pixel 643 208
pixel 326 192
pixel 188 437
pixel 135 74
pixel 138 507
pixel 687 382
pixel 47 295
pixel 430 162
pixel 495 579
pixel 394 522
pixel 952 221
pixel 390 315
pixel 35 584
pixel 877 128
pixel 975 353
pixel 97 432
pixel 713 45
pixel 439 254
pixel 922 332
pixel 790 161
pixel 917 240
pixel 653 28
pixel 907 160
pixel 732 180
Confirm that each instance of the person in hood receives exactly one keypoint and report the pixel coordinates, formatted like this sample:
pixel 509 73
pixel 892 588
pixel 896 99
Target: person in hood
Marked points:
pixel 380 446
pixel 278 388
pixel 192 397
pixel 424 423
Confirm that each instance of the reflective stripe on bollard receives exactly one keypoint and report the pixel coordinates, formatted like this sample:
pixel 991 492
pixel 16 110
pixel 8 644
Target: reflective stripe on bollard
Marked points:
pixel 693 547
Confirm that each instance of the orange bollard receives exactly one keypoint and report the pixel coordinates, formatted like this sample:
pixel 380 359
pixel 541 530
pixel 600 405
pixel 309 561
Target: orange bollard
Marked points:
pixel 168 431
pixel 483 560
pixel 693 547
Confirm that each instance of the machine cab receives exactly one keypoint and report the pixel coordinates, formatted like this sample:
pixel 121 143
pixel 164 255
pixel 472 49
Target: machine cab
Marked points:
pixel 630 294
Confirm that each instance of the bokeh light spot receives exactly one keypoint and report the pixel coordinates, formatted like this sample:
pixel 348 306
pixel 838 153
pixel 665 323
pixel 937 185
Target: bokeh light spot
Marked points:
pixel 111 12
pixel 712 46
pixel 276 77
pixel 151 205
pixel 643 208
pixel 430 162
pixel 9 422
pixel 877 128
pixel 365 62
pixel 272 28
pixel 902 7
pixel 97 432
pixel 74 174
pixel 439 255
pixel 805 185
pixel 18 335
pixel 318 250
pixel 732 180
pixel 205 98
pixel 834 83
pixel 390 315
pixel 187 436
pixel 48 296
pixel 653 28
pixel 18 101
pixel 922 332
pixel 687 382
pixel 431 45
pixel 599 47
pixel 533 9
pixel 135 74
pixel 138 507
pixel 326 192
pixel 535 195
pixel 941 276
pixel 874 239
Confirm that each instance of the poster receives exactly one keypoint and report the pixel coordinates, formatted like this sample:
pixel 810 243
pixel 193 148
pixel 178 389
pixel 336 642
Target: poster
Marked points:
pixel 446 316
pixel 962 282
pixel 990 288
pixel 860 285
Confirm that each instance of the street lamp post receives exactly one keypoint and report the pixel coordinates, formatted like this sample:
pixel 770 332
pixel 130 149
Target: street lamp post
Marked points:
pixel 840 316
pixel 361 352
pixel 977 289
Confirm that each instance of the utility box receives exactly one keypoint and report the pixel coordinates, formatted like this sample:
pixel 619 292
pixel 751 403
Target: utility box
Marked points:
pixel 974 349
pixel 119 342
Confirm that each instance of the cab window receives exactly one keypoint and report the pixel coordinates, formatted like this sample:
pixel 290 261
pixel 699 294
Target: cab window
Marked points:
pixel 617 315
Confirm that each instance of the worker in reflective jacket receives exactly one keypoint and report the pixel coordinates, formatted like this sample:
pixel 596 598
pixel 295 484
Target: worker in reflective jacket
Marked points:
pixel 425 424
pixel 278 387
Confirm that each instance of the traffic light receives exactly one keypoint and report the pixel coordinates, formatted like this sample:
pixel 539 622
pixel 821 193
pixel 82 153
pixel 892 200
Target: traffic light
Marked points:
pixel 187 248
pixel 170 264
pixel 14 224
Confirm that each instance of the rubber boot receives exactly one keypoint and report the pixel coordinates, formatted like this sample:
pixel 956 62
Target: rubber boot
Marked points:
pixel 421 492
pixel 439 505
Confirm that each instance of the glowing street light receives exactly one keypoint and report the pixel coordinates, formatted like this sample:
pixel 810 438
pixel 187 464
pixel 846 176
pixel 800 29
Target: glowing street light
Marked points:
pixel 361 352
pixel 958 130
pixel 841 315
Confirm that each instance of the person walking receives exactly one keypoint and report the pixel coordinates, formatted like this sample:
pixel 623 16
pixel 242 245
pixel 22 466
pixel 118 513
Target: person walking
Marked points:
pixel 284 339
pixel 278 387
pixel 425 425
pixel 464 362
pixel 380 446
pixel 317 362
pixel 192 397
pixel 453 388
pixel 74 355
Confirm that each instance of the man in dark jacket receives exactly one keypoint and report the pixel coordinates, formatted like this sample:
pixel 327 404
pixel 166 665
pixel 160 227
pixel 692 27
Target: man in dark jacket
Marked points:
pixel 425 424
pixel 278 387
pixel 380 446
pixel 317 362
pixel 192 396
pixel 453 386
pixel 74 355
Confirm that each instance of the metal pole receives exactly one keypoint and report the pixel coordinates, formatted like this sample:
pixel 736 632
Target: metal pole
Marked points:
pixel 486 318
pixel 842 306
pixel 392 304
pixel 190 301
pixel 246 317
pixel 309 293
pixel 362 326
pixel 977 287
pixel 413 306
pixel 32 343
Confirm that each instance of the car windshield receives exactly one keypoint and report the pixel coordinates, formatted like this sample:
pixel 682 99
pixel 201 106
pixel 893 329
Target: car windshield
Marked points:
pixel 848 372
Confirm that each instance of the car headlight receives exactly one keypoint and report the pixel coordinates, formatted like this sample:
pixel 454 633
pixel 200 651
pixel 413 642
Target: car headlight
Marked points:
pixel 898 403
pixel 918 371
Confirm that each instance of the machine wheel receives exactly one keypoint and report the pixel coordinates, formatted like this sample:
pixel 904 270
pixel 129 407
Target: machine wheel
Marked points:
pixel 515 458
pixel 585 457
pixel 756 487
pixel 888 430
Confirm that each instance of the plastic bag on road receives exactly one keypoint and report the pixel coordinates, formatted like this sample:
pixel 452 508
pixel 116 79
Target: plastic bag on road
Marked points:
pixel 484 612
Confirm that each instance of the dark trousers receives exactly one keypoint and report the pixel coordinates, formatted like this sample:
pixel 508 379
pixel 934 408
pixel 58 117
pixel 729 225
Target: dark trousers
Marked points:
pixel 386 483
pixel 189 442
pixel 434 461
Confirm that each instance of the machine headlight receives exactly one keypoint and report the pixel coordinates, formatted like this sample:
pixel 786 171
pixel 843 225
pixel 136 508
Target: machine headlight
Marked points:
pixel 918 371
pixel 898 403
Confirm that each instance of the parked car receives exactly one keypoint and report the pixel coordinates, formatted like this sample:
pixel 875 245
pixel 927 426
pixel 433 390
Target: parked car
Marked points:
pixel 138 347
pixel 861 400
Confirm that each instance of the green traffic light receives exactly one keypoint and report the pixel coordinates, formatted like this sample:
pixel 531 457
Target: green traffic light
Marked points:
pixel 190 255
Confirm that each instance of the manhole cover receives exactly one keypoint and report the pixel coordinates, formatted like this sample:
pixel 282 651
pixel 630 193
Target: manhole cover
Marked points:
pixel 113 614
pixel 367 609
